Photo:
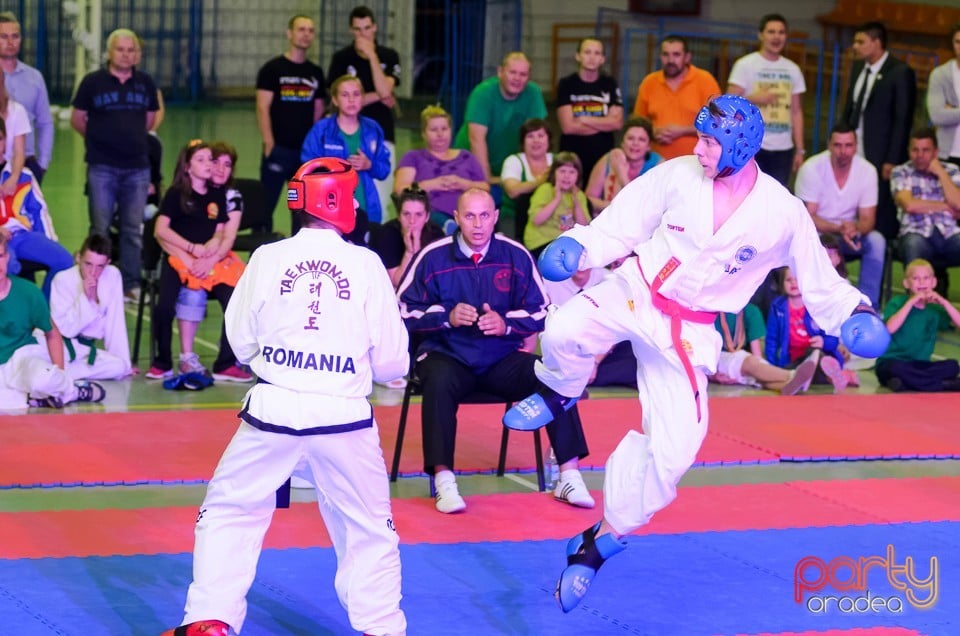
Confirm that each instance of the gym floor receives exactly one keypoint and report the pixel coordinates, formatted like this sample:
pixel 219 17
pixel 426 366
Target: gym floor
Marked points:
pixel 235 122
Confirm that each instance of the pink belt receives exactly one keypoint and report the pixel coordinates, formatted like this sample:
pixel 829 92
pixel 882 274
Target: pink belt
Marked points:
pixel 678 313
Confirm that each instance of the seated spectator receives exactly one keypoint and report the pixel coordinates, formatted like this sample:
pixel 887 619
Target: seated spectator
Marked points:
pixel 622 165
pixel 24 215
pixel 473 298
pixel 793 337
pixel 617 367
pixel 86 304
pixel 190 229
pixel 354 138
pixel 31 373
pixel 839 189
pixel 398 241
pixel 192 303
pixel 913 320
pixel 442 171
pixel 16 128
pixel 927 194
pixel 524 171
pixel 557 205
pixel 589 106
pixel 741 359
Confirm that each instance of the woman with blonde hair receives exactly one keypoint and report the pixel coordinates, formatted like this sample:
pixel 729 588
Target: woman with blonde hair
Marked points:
pixel 444 172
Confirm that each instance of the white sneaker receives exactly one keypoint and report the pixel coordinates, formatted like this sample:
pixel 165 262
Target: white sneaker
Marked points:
pixel 448 496
pixel 571 489
pixel 190 363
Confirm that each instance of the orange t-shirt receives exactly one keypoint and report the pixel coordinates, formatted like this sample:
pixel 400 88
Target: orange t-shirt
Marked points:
pixel 663 106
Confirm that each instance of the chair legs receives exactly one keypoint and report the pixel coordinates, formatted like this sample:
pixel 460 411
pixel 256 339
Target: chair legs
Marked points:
pixel 504 439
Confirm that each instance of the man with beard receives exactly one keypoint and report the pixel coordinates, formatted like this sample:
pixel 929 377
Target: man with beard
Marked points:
pixel 672 97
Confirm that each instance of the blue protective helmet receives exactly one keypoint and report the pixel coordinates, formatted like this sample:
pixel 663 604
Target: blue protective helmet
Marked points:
pixel 738 127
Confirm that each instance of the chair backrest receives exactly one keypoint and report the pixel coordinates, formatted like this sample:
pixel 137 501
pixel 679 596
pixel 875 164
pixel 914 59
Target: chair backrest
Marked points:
pixel 255 214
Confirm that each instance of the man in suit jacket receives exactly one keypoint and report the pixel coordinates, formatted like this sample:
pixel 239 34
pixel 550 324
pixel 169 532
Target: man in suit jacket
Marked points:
pixel 880 103
pixel 943 103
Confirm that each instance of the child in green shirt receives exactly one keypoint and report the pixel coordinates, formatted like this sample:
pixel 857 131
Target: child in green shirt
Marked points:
pixel 913 321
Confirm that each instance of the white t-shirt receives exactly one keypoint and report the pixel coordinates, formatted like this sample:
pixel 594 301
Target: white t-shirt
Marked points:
pixel 783 77
pixel 955 72
pixel 816 184
pixel 516 167
pixel 17 123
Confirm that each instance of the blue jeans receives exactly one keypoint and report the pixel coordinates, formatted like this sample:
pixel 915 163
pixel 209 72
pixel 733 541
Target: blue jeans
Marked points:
pixel 121 193
pixel 36 247
pixel 275 170
pixel 941 252
pixel 872 253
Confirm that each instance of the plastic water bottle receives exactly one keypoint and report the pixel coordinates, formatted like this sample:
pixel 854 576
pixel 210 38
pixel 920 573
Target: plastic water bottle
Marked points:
pixel 551 469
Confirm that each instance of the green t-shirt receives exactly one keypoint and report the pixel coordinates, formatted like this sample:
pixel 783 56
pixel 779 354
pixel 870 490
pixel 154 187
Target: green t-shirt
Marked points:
pixel 502 118
pixel 23 310
pixel 562 219
pixel 353 145
pixel 754 327
pixel 915 338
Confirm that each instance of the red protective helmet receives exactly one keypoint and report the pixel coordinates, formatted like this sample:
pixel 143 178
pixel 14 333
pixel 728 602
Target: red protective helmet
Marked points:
pixel 323 188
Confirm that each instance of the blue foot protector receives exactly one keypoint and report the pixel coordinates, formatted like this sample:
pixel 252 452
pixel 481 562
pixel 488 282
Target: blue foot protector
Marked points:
pixel 585 554
pixel 536 410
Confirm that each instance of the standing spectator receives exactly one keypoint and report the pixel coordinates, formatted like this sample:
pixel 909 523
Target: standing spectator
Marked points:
pixel 496 109
pixel 589 106
pixel 622 165
pixel 442 171
pixel 473 298
pixel 291 95
pixel 775 84
pixel 28 369
pixel 927 193
pixel 87 305
pixel 839 189
pixel 672 97
pixel 378 69
pixel 113 109
pixel 943 102
pixel 524 172
pixel 880 100
pixel 348 135
pixel 26 86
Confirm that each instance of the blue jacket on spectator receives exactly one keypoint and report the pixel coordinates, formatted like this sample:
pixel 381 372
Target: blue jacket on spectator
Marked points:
pixel 326 140
pixel 443 276
pixel 777 345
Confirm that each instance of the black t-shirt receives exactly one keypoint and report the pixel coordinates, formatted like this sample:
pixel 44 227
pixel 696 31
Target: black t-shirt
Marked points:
pixel 588 99
pixel 295 87
pixel 347 61
pixel 388 241
pixel 117 117
pixel 199 223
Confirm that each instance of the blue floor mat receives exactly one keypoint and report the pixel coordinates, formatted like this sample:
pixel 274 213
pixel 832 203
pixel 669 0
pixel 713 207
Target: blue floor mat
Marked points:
pixel 686 584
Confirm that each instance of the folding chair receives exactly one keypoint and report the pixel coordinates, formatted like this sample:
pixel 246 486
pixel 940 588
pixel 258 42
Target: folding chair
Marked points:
pixel 254 218
pixel 477 397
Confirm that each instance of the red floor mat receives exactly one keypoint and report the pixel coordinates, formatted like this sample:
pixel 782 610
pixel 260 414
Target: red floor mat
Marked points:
pixel 495 517
pixel 185 445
